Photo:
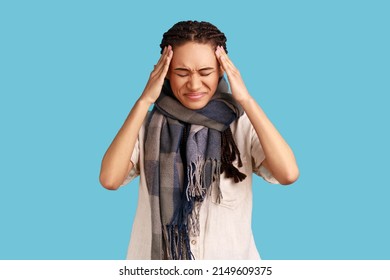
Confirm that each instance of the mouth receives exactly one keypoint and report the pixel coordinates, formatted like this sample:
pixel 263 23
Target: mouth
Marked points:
pixel 194 95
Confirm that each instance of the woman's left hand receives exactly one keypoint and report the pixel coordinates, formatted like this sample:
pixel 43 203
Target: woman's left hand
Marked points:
pixel 279 158
pixel 238 88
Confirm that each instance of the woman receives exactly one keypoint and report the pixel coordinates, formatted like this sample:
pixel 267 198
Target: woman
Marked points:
pixel 195 153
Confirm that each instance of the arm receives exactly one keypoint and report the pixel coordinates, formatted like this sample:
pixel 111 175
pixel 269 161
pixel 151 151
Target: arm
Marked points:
pixel 279 158
pixel 116 162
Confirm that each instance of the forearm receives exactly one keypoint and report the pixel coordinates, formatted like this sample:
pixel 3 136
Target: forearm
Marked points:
pixel 279 158
pixel 116 161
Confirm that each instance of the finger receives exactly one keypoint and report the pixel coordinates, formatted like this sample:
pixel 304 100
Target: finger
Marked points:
pixel 168 59
pixel 162 55
pixel 225 61
pixel 222 59
pixel 218 54
pixel 226 58
pixel 162 61
pixel 157 65
pixel 164 65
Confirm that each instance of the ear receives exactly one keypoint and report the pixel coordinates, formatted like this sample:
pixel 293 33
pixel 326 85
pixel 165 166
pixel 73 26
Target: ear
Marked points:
pixel 168 75
pixel 221 71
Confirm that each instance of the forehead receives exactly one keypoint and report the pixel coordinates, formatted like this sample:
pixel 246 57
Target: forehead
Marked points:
pixel 194 55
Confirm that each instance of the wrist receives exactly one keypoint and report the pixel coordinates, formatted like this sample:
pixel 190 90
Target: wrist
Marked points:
pixel 145 101
pixel 245 100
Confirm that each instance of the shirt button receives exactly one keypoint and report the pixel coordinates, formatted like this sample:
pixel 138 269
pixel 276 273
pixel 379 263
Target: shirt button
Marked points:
pixel 193 242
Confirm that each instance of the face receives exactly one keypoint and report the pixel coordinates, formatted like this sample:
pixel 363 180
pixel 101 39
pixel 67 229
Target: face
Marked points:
pixel 194 73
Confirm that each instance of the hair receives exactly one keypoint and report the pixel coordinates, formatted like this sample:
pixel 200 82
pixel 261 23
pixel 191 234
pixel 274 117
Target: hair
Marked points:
pixel 193 31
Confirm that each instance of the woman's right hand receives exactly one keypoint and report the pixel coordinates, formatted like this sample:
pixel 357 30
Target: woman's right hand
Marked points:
pixel 116 163
pixel 156 79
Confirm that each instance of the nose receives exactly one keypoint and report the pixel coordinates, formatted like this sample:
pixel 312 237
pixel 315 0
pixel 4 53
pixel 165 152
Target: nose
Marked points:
pixel 194 83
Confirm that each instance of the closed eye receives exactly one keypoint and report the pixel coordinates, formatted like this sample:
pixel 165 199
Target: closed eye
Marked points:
pixel 183 72
pixel 206 71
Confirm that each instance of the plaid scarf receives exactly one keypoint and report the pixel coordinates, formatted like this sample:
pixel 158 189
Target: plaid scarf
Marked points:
pixel 185 153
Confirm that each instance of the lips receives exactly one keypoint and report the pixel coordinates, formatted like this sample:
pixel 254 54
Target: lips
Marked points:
pixel 194 95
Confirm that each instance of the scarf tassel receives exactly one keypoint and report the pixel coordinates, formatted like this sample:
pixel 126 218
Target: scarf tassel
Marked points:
pixel 179 243
pixel 187 218
pixel 230 153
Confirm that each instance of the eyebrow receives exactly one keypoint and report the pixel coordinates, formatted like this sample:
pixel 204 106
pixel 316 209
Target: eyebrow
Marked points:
pixel 188 70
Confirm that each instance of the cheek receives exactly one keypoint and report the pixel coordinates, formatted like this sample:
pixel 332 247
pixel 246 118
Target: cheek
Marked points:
pixel 174 81
pixel 176 84
pixel 213 81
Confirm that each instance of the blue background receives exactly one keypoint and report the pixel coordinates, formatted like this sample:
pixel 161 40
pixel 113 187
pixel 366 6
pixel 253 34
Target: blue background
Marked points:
pixel 71 70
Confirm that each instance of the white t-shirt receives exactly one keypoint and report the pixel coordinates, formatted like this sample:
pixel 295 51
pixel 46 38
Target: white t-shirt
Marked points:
pixel 225 227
